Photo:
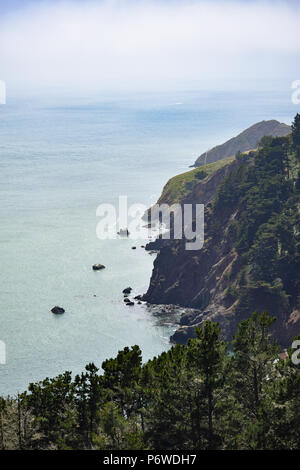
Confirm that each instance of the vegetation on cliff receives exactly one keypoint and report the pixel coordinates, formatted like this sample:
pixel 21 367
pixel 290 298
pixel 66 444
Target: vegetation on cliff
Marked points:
pixel 180 186
pixel 251 255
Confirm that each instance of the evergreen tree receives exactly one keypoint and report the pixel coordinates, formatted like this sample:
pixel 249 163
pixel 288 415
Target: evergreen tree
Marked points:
pixel 296 135
pixel 88 398
pixel 207 356
pixel 52 403
pixel 253 367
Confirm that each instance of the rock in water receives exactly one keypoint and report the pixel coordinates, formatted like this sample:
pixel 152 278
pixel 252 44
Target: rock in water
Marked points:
pixel 124 232
pixel 98 267
pixel 127 290
pixel 183 334
pixel 58 310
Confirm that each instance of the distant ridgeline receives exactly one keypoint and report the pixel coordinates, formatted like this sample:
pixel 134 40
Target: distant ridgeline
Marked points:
pixel 251 255
pixel 245 141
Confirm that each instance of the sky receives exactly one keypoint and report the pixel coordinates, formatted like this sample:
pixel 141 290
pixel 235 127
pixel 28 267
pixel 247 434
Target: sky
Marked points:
pixel 143 45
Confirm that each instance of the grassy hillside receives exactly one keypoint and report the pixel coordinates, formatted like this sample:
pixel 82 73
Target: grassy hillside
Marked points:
pixel 178 187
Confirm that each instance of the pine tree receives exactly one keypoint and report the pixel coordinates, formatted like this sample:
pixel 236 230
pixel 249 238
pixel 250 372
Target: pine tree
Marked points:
pixel 88 398
pixel 253 367
pixel 207 355
pixel 296 135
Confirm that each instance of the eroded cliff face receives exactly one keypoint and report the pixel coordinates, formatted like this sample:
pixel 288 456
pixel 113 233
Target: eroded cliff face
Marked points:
pixel 196 279
pixel 209 280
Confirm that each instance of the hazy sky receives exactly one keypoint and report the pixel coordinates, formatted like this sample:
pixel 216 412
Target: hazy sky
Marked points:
pixel 120 44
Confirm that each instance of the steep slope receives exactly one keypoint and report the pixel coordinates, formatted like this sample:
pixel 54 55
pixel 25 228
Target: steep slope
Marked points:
pixel 200 184
pixel 246 140
pixel 183 188
pixel 251 255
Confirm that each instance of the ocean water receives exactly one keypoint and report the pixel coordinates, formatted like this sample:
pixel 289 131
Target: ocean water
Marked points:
pixel 60 159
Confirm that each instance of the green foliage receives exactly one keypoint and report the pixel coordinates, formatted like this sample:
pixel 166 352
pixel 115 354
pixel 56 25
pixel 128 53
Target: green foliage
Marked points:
pixel 263 194
pixel 52 404
pixel 296 135
pixel 180 186
pixel 197 396
pixel 88 396
pixel 265 141
pixel 207 356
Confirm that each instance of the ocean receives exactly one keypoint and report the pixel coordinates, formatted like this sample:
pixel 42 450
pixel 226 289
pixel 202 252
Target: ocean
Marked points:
pixel 59 160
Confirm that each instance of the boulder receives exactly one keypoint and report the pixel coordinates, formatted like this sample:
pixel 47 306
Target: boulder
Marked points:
pixel 130 303
pixel 98 267
pixel 57 310
pixel 127 290
pixel 183 334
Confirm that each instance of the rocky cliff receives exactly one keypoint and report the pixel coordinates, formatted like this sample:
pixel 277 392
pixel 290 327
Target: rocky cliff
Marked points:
pixel 195 185
pixel 251 256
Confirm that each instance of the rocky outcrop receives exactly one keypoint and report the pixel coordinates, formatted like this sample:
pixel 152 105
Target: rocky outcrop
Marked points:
pixel 246 140
pixel 98 267
pixel 197 279
pixel 127 290
pixel 217 282
pixel 57 310
pixel 183 334
pixel 291 327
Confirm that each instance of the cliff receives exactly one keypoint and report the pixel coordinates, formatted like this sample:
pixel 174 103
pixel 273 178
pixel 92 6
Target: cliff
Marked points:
pixel 251 255
pixel 246 140
pixel 195 185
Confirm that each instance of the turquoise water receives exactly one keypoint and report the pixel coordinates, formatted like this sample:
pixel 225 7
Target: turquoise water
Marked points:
pixel 58 163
